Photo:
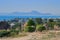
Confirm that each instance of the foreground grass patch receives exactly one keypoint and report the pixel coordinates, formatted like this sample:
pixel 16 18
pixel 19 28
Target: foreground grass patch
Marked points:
pixel 11 33
pixel 51 36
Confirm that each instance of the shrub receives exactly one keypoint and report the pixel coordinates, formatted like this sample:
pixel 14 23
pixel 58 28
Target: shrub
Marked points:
pixel 51 24
pixel 4 33
pixel 40 28
pixel 58 23
pixel 29 29
pixel 13 31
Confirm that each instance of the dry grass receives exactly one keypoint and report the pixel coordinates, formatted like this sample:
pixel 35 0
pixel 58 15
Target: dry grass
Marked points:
pixel 46 35
pixel 51 35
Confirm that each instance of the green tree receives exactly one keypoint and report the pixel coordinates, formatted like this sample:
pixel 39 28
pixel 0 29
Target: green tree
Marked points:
pixel 51 20
pixel 30 22
pixel 38 21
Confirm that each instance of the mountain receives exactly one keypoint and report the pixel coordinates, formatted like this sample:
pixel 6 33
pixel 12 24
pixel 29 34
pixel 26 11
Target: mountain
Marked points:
pixel 32 13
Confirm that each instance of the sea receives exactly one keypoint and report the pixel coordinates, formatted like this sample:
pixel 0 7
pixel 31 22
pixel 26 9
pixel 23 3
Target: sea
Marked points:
pixel 12 17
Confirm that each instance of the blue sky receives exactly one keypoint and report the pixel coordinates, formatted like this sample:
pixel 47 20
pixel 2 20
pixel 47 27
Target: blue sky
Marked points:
pixel 44 6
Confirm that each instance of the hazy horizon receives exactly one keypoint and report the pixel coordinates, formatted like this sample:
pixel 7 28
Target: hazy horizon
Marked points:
pixel 43 6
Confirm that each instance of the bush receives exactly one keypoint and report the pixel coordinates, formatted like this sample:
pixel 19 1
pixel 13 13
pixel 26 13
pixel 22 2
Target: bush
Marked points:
pixel 13 31
pixel 58 23
pixel 40 28
pixel 4 33
pixel 29 29
pixel 51 24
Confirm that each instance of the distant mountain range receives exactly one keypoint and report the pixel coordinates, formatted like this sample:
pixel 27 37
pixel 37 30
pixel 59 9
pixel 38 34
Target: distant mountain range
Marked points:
pixel 32 13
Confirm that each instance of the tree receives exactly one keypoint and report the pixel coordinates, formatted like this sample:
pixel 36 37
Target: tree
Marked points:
pixel 51 20
pixel 30 22
pixel 4 25
pixel 38 21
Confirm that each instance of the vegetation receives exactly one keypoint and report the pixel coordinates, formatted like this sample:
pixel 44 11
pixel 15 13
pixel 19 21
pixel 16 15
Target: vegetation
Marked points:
pixel 51 25
pixel 32 25
pixel 40 28
pixel 4 33
pixel 38 21
pixel 58 23
pixel 29 29
pixel 30 22
pixel 4 25
pixel 51 20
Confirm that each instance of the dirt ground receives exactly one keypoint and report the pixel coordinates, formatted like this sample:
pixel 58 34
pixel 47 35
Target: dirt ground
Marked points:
pixel 50 35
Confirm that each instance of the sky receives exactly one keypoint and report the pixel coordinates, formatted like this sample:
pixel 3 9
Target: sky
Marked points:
pixel 44 6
